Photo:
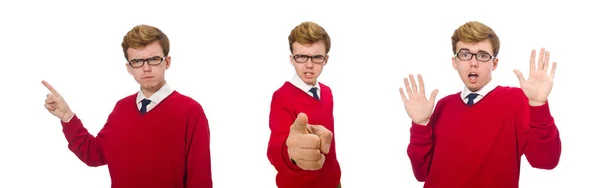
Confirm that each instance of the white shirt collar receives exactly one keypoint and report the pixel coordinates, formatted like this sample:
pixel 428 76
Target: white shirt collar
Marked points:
pixel 157 97
pixel 482 92
pixel 297 81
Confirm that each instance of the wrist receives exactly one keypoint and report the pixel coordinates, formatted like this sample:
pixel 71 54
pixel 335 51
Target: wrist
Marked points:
pixel 424 123
pixel 68 116
pixel 536 103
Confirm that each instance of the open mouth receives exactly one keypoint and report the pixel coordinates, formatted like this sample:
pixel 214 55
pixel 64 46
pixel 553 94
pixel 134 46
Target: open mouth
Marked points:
pixel 308 75
pixel 473 76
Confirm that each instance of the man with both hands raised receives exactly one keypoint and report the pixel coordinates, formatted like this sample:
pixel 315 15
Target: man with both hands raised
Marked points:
pixel 475 138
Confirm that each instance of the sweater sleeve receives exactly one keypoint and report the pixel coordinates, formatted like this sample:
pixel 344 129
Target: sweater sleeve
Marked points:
pixel 84 145
pixel 281 118
pixel 198 160
pixel 538 137
pixel 420 148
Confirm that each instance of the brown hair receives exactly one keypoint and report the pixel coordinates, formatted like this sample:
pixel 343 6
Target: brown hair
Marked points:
pixel 143 35
pixel 308 33
pixel 473 32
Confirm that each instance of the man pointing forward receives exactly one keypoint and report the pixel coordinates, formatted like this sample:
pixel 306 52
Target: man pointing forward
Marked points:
pixel 302 150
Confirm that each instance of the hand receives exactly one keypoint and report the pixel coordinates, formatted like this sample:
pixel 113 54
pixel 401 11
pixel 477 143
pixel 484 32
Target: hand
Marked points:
pixel 418 107
pixel 307 144
pixel 56 105
pixel 539 84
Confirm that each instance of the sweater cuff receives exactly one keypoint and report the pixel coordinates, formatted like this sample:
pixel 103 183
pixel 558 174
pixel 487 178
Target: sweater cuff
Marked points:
pixel 73 123
pixel 287 160
pixel 540 114
pixel 420 129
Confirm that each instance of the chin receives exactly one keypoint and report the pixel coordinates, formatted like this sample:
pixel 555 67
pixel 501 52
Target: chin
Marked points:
pixel 474 87
pixel 309 81
pixel 148 84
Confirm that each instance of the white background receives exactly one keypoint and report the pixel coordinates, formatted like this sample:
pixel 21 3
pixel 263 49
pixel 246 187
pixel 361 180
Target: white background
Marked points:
pixel 231 56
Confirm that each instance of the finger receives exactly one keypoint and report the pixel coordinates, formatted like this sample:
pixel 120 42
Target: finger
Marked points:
pixel 519 76
pixel 433 94
pixel 553 71
pixel 532 61
pixel 299 125
pixel 407 86
pixel 52 90
pixel 540 65
pixel 421 84
pixel 325 135
pixel 311 165
pixel 414 84
pixel 308 141
pixel 50 101
pixel 49 107
pixel 546 60
pixel 307 155
pixel 49 98
pixel 321 161
pixel 404 99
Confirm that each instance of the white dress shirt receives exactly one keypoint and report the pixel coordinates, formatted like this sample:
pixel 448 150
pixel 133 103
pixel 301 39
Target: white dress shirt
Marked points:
pixel 482 92
pixel 156 98
pixel 297 81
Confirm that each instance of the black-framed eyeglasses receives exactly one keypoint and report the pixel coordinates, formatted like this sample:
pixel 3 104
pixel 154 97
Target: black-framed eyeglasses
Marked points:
pixel 480 56
pixel 304 58
pixel 137 63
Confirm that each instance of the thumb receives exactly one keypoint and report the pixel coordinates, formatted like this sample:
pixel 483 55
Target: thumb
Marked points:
pixel 299 126
pixel 433 94
pixel 325 135
pixel 519 75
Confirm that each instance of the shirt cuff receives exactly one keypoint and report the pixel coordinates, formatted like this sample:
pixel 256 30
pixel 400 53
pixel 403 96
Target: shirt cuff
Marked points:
pixel 420 129
pixel 69 120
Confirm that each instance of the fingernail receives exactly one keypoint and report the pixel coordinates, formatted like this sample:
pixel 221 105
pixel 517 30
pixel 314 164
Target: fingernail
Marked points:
pixel 327 148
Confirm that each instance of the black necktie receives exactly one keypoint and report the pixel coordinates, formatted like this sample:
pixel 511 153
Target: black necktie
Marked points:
pixel 314 92
pixel 145 103
pixel 471 97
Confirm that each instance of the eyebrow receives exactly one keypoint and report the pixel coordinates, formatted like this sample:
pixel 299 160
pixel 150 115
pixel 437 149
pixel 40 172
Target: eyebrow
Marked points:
pixel 310 55
pixel 462 49
pixel 156 56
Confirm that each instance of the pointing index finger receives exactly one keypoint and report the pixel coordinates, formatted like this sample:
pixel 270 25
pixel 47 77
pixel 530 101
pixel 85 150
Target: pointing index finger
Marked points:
pixel 52 90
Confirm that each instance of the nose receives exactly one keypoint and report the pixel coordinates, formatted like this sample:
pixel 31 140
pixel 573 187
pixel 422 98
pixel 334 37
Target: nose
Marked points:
pixel 146 67
pixel 309 64
pixel 474 63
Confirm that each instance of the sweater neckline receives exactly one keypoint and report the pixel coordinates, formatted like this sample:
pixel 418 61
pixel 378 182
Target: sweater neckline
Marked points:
pixel 155 107
pixel 478 102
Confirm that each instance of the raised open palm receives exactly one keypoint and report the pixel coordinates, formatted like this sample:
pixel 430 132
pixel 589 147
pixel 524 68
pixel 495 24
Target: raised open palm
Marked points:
pixel 418 107
pixel 539 84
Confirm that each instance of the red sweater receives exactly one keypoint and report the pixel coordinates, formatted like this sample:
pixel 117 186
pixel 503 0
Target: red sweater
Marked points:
pixel 167 147
pixel 482 145
pixel 288 101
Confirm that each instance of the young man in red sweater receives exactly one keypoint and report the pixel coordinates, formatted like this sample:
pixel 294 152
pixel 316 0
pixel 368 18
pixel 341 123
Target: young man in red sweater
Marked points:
pixel 301 145
pixel 475 138
pixel 154 138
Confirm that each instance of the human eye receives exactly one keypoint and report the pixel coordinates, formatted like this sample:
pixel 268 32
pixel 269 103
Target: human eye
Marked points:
pixel 464 54
pixel 484 56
